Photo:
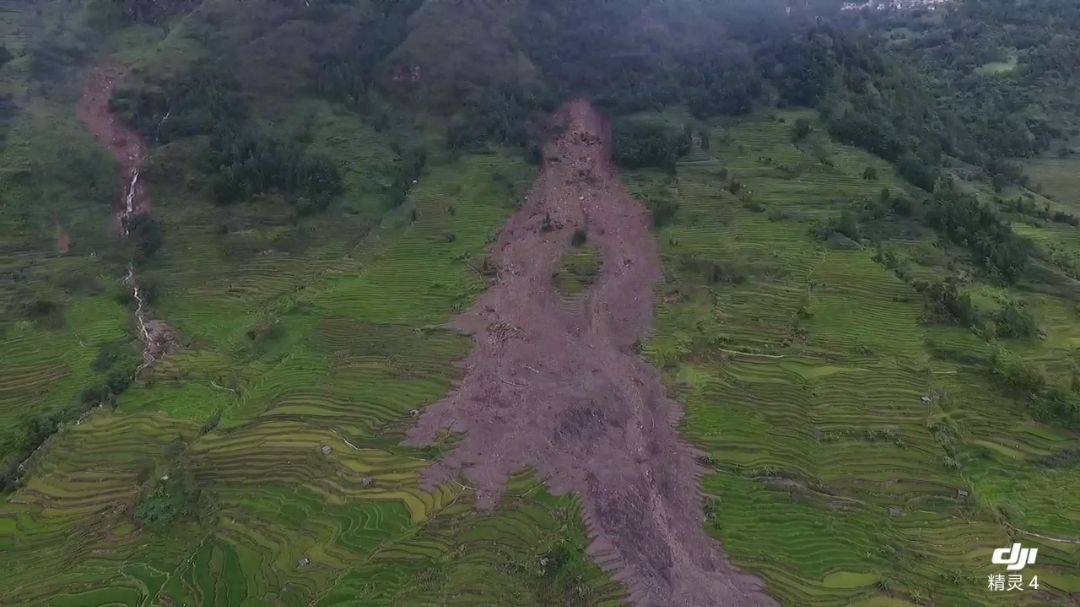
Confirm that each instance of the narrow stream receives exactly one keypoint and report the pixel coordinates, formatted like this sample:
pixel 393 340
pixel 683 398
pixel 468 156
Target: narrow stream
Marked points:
pixel 127 213
pixel 140 318
pixel 129 201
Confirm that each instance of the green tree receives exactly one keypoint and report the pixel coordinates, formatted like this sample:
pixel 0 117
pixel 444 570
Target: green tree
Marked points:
pixel 640 144
pixel 803 128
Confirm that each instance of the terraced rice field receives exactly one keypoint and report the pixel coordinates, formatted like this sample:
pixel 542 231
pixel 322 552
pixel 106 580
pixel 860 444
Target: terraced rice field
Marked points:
pixel 850 462
pixel 827 422
pixel 285 408
pixel 62 300
pixel 810 384
pixel 1057 178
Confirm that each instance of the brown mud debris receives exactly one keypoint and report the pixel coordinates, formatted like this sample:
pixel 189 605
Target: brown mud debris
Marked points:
pixel 160 340
pixel 124 142
pixel 557 386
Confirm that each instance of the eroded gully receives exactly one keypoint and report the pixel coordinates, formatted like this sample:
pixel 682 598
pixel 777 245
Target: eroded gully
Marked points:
pixel 130 151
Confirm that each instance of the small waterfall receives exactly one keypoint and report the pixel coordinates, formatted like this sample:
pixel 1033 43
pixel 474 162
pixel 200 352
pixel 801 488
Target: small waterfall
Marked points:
pixel 129 200
pixel 140 307
pixel 140 317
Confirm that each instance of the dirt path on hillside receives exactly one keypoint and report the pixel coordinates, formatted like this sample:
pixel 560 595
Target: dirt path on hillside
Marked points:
pixel 127 146
pixel 557 386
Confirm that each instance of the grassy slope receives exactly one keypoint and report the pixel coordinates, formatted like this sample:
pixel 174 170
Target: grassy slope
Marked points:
pixel 805 386
pixel 54 180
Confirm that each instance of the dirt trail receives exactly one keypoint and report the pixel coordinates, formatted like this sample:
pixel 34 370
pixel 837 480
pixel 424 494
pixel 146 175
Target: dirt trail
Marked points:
pixel 127 146
pixel 558 387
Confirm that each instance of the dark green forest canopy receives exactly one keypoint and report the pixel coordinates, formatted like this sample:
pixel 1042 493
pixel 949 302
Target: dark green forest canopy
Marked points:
pixel 916 100
pixel 919 97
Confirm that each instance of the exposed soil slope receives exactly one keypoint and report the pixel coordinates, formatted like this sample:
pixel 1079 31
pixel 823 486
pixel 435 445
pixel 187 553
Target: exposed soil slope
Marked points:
pixel 558 387
pixel 128 148
pixel 125 143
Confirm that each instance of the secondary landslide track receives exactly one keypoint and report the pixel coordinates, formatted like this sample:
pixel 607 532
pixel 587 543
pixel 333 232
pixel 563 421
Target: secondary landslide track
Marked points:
pixel 557 386
pixel 129 150
pixel 124 142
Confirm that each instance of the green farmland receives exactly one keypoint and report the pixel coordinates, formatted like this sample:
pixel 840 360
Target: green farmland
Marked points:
pixel 877 399
pixel 849 461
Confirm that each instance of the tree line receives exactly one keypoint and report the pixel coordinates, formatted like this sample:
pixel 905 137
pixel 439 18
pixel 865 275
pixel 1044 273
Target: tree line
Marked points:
pixel 238 159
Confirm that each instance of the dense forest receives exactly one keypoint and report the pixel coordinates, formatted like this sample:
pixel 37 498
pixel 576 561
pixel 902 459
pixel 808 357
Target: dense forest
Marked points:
pixel 921 104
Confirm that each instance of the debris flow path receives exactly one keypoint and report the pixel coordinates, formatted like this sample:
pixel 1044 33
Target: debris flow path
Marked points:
pixel 128 148
pixel 558 387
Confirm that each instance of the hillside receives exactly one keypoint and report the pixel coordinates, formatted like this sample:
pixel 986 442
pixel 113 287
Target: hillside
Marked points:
pixel 472 302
